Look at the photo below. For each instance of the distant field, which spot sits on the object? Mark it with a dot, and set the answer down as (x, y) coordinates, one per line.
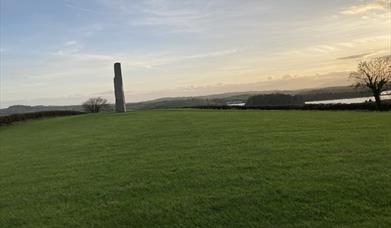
(206, 168)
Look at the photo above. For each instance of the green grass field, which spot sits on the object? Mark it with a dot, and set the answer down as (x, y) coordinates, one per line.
(187, 168)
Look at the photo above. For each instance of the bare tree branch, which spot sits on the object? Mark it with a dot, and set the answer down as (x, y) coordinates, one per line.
(374, 74)
(95, 104)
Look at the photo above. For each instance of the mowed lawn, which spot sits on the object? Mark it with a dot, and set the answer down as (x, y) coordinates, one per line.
(187, 168)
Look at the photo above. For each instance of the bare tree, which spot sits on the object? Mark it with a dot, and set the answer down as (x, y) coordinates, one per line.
(95, 104)
(374, 74)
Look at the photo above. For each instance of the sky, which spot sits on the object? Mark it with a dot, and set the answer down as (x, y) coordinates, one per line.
(62, 52)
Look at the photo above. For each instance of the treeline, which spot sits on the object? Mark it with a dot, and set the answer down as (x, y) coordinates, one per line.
(279, 99)
(5, 120)
(335, 96)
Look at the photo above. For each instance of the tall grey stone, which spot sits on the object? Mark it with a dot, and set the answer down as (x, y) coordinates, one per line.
(120, 105)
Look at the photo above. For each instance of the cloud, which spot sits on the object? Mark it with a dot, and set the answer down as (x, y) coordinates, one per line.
(366, 7)
(71, 62)
(212, 54)
(180, 17)
(323, 48)
(359, 56)
(150, 61)
(170, 17)
(368, 55)
(70, 43)
(68, 48)
(338, 48)
(74, 6)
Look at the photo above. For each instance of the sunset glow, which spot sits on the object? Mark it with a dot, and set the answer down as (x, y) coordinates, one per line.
(60, 52)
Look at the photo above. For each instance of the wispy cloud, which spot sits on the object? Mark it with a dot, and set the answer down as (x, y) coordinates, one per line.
(71, 61)
(323, 48)
(366, 7)
(340, 47)
(212, 54)
(79, 8)
(185, 16)
(75, 6)
(179, 17)
(70, 43)
(156, 60)
(377, 53)
(359, 56)
(68, 48)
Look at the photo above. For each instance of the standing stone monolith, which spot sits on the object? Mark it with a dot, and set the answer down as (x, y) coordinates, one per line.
(120, 105)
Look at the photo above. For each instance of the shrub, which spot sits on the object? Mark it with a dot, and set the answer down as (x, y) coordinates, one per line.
(95, 104)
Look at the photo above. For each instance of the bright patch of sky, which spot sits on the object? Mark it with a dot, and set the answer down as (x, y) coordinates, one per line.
(62, 52)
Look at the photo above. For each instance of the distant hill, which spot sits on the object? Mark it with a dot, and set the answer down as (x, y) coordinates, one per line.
(214, 99)
(242, 97)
